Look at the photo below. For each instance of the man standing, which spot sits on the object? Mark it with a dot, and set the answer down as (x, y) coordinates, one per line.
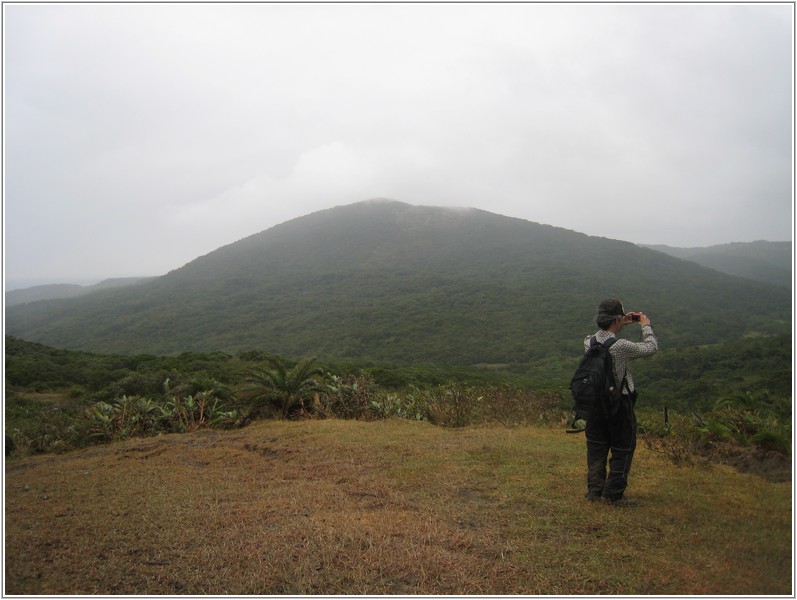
(613, 429)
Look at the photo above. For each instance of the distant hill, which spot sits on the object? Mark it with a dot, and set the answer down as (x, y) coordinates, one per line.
(770, 262)
(387, 281)
(66, 290)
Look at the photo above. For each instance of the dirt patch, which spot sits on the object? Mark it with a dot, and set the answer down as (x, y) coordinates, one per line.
(771, 466)
(45, 397)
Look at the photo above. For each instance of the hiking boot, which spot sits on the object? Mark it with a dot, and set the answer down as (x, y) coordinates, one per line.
(622, 501)
(592, 497)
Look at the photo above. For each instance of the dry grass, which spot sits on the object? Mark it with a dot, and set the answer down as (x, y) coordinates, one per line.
(388, 507)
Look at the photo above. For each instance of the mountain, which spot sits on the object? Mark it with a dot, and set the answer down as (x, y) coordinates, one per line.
(770, 262)
(387, 281)
(66, 290)
(44, 292)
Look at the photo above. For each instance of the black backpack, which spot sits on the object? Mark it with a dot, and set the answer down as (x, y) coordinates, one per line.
(593, 386)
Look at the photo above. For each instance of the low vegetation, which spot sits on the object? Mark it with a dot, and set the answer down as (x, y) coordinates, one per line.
(59, 400)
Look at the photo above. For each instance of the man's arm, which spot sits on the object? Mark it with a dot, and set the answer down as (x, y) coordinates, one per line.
(646, 347)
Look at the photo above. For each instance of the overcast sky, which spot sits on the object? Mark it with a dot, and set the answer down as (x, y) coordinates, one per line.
(141, 136)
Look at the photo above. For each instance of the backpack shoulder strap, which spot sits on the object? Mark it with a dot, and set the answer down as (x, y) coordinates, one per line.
(608, 343)
(609, 362)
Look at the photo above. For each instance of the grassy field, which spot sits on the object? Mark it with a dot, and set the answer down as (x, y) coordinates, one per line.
(385, 507)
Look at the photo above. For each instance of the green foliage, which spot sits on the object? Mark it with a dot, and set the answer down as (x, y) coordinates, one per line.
(281, 386)
(350, 397)
(35, 425)
(128, 416)
(728, 395)
(758, 421)
(135, 416)
(408, 405)
(59, 400)
(757, 418)
(770, 262)
(182, 414)
(696, 378)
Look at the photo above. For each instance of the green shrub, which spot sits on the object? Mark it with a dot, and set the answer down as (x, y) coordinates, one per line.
(715, 431)
(34, 425)
(197, 411)
(125, 417)
(349, 397)
(410, 405)
(288, 389)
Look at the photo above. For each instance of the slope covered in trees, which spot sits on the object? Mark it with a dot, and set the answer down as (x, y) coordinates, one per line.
(66, 290)
(390, 282)
(770, 262)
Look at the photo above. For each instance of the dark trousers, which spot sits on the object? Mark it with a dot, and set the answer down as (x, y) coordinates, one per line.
(611, 435)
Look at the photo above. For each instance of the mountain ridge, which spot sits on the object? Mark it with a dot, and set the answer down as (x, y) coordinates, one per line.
(389, 281)
(769, 262)
(56, 291)
(780, 262)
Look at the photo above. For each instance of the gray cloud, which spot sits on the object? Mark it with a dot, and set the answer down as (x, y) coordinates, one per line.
(141, 136)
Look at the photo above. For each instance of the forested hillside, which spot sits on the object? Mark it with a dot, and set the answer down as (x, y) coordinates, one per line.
(386, 281)
(770, 262)
(66, 290)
